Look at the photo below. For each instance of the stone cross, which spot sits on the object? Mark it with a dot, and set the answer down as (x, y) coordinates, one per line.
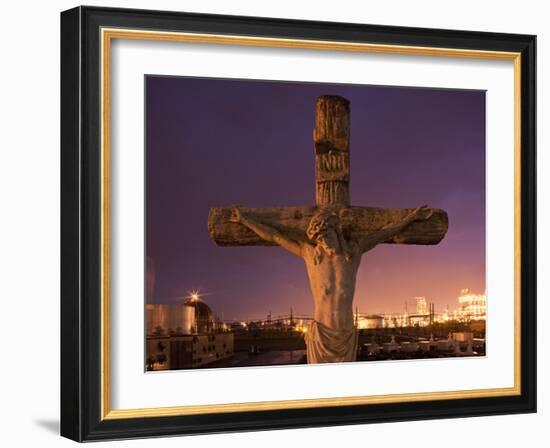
(288, 227)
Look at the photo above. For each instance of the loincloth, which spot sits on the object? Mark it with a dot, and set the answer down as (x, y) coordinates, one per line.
(325, 344)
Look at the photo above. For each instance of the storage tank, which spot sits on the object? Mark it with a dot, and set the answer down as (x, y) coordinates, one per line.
(177, 318)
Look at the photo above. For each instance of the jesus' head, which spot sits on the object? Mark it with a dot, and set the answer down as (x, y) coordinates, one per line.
(325, 232)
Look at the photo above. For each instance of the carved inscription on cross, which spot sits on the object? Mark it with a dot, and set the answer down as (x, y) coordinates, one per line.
(332, 236)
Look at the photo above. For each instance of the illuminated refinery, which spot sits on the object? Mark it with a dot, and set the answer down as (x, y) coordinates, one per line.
(187, 334)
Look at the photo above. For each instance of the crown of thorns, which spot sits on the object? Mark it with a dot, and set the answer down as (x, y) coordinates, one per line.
(320, 222)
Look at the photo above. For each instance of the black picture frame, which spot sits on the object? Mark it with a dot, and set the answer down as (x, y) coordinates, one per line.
(81, 415)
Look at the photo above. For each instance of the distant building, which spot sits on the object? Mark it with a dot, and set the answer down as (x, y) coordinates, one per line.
(180, 336)
(204, 322)
(170, 318)
(472, 306)
(395, 320)
(187, 351)
(419, 320)
(421, 305)
(366, 321)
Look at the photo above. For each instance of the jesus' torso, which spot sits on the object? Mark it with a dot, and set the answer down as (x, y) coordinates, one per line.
(332, 283)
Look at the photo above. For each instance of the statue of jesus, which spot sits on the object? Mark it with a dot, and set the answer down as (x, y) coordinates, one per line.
(332, 262)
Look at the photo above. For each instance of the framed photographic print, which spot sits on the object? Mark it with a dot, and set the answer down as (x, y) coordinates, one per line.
(274, 224)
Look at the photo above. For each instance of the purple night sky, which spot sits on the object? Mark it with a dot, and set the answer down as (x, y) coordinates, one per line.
(216, 142)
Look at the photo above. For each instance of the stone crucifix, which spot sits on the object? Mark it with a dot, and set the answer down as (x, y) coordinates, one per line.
(330, 237)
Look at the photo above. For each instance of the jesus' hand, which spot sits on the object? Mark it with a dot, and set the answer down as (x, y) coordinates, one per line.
(422, 213)
(236, 215)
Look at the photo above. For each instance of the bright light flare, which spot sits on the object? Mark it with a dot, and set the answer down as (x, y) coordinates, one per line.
(194, 295)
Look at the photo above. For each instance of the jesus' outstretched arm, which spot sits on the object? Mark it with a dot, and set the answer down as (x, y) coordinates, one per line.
(265, 232)
(421, 213)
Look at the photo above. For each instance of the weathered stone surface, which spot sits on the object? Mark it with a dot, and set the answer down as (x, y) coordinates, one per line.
(332, 114)
(293, 221)
(331, 141)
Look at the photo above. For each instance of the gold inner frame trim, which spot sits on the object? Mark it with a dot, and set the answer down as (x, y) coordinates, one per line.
(107, 35)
